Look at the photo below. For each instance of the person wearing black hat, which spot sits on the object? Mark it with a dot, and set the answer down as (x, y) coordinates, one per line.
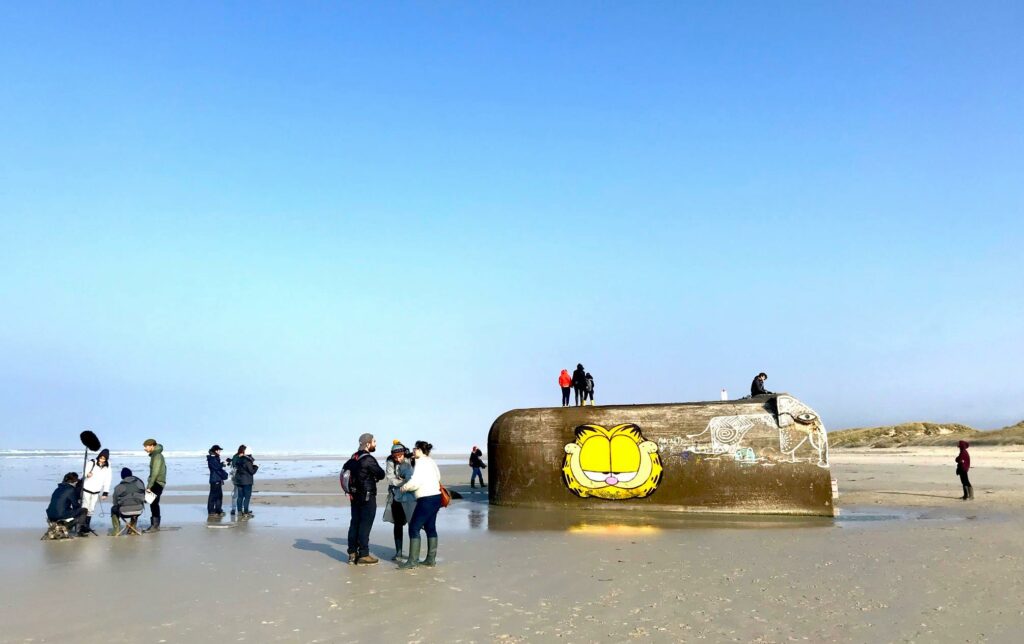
(400, 505)
(215, 502)
(129, 499)
(96, 484)
(359, 478)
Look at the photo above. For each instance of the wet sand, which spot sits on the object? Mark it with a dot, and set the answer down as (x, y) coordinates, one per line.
(904, 561)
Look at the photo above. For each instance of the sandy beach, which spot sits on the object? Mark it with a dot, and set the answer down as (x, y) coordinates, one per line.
(905, 560)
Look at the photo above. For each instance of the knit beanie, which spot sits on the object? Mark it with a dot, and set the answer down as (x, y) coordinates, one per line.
(125, 472)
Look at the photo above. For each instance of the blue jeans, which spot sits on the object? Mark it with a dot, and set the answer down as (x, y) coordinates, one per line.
(477, 474)
(244, 494)
(425, 517)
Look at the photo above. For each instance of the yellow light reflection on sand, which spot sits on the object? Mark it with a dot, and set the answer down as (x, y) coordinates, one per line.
(614, 529)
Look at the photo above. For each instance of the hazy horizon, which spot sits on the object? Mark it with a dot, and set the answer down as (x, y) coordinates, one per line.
(286, 225)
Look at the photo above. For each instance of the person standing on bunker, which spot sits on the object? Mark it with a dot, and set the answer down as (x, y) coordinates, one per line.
(565, 382)
(963, 463)
(579, 384)
(588, 389)
(157, 480)
(359, 478)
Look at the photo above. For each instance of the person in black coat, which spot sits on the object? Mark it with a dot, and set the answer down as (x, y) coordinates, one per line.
(757, 386)
(215, 502)
(579, 384)
(66, 504)
(359, 478)
(245, 470)
(476, 461)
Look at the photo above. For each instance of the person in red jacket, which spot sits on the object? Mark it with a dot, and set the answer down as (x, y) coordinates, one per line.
(963, 463)
(565, 382)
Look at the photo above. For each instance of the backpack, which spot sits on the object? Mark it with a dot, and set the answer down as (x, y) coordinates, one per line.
(589, 386)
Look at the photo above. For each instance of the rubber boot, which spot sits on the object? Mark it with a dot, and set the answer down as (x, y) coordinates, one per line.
(414, 555)
(970, 492)
(964, 497)
(398, 549)
(154, 525)
(431, 559)
(115, 522)
(85, 529)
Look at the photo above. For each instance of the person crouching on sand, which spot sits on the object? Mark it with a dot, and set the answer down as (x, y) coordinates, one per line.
(400, 505)
(426, 484)
(245, 470)
(97, 483)
(963, 463)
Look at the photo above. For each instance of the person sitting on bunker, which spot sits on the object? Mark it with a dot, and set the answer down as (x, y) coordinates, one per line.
(757, 386)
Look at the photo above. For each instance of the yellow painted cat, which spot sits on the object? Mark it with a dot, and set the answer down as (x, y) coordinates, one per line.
(616, 463)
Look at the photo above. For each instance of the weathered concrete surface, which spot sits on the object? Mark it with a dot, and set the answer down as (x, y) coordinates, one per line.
(764, 455)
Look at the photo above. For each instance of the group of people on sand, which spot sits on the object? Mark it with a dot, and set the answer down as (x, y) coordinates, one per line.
(414, 499)
(581, 382)
(75, 499)
(242, 474)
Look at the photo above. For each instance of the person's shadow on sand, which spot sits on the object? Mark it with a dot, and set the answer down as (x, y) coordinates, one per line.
(325, 548)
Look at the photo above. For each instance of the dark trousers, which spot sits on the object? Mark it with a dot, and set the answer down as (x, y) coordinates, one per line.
(425, 517)
(359, 527)
(966, 482)
(244, 494)
(580, 395)
(565, 396)
(214, 504)
(398, 516)
(154, 507)
(477, 474)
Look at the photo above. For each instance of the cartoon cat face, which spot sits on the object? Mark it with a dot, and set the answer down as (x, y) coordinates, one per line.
(614, 463)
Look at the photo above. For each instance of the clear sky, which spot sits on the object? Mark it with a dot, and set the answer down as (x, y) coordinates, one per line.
(288, 223)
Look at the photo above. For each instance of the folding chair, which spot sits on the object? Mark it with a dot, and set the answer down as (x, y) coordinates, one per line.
(131, 523)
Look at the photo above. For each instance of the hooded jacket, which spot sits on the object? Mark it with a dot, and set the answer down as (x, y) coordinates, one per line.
(244, 470)
(99, 482)
(130, 495)
(64, 503)
(579, 378)
(564, 379)
(757, 388)
(157, 467)
(217, 472)
(476, 460)
(364, 472)
(963, 459)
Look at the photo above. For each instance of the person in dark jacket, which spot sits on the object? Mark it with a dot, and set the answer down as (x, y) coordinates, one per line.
(245, 470)
(359, 478)
(588, 389)
(233, 464)
(757, 386)
(579, 384)
(476, 461)
(215, 502)
(129, 499)
(963, 463)
(66, 504)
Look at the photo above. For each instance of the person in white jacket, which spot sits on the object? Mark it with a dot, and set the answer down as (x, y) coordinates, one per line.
(426, 485)
(97, 482)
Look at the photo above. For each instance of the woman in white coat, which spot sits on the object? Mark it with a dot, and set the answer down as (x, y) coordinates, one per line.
(426, 485)
(97, 482)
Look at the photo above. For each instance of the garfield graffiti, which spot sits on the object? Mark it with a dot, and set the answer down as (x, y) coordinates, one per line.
(616, 463)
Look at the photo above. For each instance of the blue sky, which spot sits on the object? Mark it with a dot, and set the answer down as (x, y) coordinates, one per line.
(287, 224)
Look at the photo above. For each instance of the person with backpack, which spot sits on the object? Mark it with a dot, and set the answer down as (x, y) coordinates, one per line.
(215, 502)
(579, 384)
(565, 382)
(426, 484)
(359, 478)
(963, 463)
(588, 389)
(476, 462)
(97, 483)
(245, 470)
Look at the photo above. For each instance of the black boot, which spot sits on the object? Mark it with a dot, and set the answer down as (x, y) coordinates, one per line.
(398, 549)
(154, 525)
(84, 529)
(964, 497)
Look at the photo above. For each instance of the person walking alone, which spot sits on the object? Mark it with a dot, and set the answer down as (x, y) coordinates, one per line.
(359, 478)
(426, 484)
(579, 384)
(157, 480)
(245, 471)
(400, 505)
(215, 502)
(97, 483)
(476, 461)
(963, 463)
(565, 382)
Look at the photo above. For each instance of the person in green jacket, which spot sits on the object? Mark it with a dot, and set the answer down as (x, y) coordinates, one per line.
(157, 480)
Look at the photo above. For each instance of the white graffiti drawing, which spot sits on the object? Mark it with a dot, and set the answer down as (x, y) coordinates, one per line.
(725, 433)
(799, 424)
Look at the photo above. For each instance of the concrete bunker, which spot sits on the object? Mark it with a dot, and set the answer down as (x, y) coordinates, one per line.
(762, 455)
